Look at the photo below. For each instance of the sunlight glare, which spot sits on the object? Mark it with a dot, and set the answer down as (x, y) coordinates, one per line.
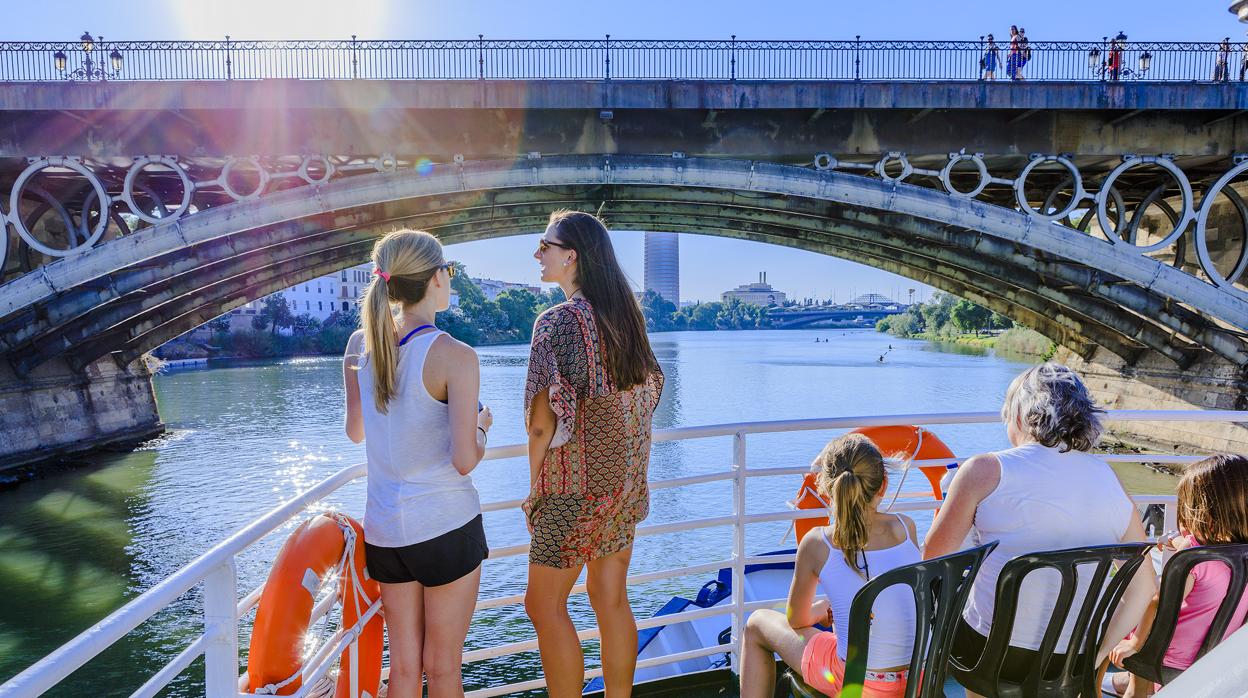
(282, 19)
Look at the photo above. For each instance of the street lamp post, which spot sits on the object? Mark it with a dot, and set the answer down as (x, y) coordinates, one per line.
(89, 69)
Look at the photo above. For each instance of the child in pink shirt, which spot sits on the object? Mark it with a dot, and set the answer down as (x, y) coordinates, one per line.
(1213, 508)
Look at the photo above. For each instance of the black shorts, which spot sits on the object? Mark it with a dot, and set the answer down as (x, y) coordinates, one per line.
(968, 645)
(434, 562)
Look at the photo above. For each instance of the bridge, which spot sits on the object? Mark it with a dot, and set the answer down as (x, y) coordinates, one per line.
(186, 179)
(788, 319)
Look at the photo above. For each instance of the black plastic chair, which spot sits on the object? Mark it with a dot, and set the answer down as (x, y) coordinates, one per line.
(1147, 662)
(940, 586)
(1078, 671)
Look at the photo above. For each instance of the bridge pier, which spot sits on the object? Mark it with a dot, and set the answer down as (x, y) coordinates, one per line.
(1155, 383)
(57, 411)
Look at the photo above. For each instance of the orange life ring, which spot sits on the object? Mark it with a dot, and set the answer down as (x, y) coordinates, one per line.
(328, 542)
(897, 441)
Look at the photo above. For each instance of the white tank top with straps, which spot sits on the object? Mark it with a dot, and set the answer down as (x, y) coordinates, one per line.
(414, 492)
(892, 629)
(1046, 500)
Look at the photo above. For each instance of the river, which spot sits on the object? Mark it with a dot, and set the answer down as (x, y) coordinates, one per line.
(245, 435)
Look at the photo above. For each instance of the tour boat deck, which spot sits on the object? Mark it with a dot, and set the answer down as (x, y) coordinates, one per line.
(225, 612)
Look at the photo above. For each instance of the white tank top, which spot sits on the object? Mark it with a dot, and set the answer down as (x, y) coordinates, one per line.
(1046, 500)
(414, 492)
(892, 629)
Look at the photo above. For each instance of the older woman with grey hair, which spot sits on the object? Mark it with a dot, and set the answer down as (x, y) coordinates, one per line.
(1045, 493)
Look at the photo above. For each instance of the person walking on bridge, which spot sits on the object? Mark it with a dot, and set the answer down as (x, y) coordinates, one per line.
(1222, 63)
(989, 61)
(589, 400)
(1014, 59)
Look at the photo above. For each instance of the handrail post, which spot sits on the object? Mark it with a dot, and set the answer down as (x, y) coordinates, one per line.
(221, 625)
(857, 56)
(229, 61)
(738, 544)
(355, 61)
(608, 57)
(480, 56)
(733, 63)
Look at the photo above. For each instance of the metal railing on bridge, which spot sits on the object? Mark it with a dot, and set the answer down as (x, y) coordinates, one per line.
(620, 59)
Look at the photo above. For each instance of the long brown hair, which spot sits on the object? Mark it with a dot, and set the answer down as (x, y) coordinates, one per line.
(621, 326)
(410, 258)
(851, 473)
(1213, 499)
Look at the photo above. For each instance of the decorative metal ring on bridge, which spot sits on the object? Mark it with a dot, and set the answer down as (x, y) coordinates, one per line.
(955, 229)
(599, 59)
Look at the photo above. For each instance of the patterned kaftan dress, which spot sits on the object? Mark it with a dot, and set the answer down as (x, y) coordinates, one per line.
(591, 491)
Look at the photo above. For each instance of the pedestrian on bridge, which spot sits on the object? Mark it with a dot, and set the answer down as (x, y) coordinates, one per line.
(1014, 59)
(1221, 65)
(989, 61)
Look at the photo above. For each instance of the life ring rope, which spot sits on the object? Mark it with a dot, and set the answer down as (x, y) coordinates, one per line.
(345, 566)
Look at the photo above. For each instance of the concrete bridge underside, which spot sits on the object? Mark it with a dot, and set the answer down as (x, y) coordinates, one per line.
(103, 309)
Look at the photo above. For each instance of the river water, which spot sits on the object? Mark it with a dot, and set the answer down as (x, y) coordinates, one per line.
(244, 436)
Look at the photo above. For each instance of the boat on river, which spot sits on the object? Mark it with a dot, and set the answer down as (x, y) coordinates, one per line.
(684, 643)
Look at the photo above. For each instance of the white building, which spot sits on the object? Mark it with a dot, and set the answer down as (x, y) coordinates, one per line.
(492, 288)
(319, 297)
(759, 293)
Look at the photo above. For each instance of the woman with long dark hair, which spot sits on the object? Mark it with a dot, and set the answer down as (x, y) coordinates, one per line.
(592, 387)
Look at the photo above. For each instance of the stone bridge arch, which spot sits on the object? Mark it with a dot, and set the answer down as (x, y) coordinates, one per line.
(1104, 302)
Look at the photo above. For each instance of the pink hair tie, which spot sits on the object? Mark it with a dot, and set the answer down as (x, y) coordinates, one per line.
(382, 274)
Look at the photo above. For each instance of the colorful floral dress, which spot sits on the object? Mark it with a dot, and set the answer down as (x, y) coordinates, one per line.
(591, 491)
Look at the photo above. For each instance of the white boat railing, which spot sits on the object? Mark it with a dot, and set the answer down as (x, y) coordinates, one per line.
(223, 609)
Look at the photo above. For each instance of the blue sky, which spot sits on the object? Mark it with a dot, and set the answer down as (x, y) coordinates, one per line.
(709, 265)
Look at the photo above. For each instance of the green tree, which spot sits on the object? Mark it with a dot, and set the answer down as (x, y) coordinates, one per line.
(1000, 322)
(305, 325)
(704, 314)
(219, 324)
(454, 322)
(936, 312)
(521, 307)
(970, 317)
(658, 311)
(276, 314)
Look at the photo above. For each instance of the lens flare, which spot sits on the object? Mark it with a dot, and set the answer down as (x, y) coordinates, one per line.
(424, 167)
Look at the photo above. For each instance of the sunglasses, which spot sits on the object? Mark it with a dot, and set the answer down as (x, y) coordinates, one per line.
(544, 244)
(450, 269)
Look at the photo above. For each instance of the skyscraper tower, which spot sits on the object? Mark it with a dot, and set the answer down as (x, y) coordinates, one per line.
(662, 259)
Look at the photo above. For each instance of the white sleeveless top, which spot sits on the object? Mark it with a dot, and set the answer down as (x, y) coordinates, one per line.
(892, 630)
(414, 492)
(1046, 500)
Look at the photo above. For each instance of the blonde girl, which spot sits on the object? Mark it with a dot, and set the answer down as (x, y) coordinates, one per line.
(836, 561)
(411, 393)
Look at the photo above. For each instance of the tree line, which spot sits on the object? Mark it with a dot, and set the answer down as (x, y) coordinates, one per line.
(943, 315)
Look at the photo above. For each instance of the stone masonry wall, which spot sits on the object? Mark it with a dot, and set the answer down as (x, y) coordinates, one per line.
(1155, 383)
(56, 411)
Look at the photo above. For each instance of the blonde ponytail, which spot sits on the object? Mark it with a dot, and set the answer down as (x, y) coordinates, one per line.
(403, 263)
(851, 473)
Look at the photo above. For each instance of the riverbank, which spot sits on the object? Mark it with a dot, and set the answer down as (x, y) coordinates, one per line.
(1018, 343)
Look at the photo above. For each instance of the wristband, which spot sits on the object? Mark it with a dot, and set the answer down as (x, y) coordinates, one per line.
(484, 433)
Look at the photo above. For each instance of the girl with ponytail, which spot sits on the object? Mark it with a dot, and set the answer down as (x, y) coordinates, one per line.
(412, 399)
(836, 561)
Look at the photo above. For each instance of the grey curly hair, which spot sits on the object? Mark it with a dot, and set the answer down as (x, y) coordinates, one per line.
(1052, 405)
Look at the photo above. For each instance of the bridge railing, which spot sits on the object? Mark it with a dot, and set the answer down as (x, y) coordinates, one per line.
(617, 59)
(224, 611)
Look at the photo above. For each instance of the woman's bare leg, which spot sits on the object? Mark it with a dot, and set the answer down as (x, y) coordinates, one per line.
(768, 633)
(405, 624)
(448, 612)
(546, 602)
(607, 583)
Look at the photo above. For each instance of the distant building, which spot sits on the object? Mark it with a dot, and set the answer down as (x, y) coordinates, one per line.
(874, 301)
(760, 293)
(662, 261)
(492, 288)
(318, 298)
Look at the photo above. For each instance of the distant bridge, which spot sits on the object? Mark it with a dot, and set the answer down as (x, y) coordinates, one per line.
(1109, 215)
(787, 319)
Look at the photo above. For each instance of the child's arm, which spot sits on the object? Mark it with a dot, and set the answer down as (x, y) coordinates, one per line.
(812, 553)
